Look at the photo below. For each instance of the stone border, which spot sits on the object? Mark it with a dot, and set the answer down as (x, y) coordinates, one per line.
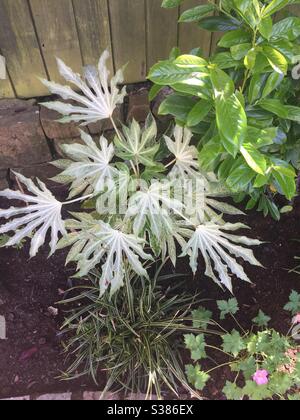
(78, 396)
(30, 135)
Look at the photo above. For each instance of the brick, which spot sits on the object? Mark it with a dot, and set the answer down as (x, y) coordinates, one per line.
(44, 172)
(54, 129)
(95, 396)
(16, 105)
(138, 107)
(55, 397)
(22, 140)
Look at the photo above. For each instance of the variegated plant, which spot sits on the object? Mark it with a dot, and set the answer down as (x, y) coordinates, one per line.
(133, 210)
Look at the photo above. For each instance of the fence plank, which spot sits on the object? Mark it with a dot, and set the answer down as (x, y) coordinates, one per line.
(162, 31)
(93, 29)
(56, 29)
(129, 37)
(19, 46)
(190, 35)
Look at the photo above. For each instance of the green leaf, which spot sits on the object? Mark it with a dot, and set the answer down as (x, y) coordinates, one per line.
(210, 154)
(224, 61)
(274, 7)
(285, 178)
(219, 23)
(197, 345)
(272, 83)
(250, 59)
(240, 178)
(175, 53)
(232, 391)
(256, 392)
(231, 122)
(240, 51)
(198, 113)
(229, 307)
(197, 13)
(223, 84)
(293, 113)
(254, 158)
(167, 73)
(168, 4)
(247, 366)
(233, 38)
(262, 320)
(177, 105)
(197, 377)
(265, 27)
(190, 61)
(201, 318)
(154, 91)
(276, 59)
(233, 343)
(293, 305)
(275, 106)
(288, 29)
(255, 88)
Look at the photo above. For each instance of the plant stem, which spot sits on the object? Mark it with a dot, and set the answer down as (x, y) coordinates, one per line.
(218, 367)
(77, 200)
(238, 324)
(222, 351)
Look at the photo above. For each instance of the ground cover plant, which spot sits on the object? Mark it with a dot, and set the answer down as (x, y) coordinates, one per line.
(242, 101)
(264, 363)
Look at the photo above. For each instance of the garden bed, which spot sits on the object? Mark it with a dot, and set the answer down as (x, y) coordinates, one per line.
(31, 357)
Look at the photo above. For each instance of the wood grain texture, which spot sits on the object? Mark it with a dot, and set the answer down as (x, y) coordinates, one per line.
(190, 35)
(93, 27)
(128, 25)
(138, 32)
(57, 33)
(20, 47)
(162, 31)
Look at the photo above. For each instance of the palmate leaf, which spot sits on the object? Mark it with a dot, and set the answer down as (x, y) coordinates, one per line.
(153, 206)
(92, 163)
(97, 243)
(138, 145)
(100, 96)
(186, 155)
(42, 214)
(217, 245)
(208, 205)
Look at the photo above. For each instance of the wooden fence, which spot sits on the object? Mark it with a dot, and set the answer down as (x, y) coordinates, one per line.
(137, 32)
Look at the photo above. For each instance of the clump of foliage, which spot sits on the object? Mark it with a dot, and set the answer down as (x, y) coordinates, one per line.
(265, 364)
(133, 338)
(132, 212)
(242, 101)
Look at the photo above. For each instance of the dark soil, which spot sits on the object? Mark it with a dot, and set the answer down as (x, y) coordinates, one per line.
(31, 357)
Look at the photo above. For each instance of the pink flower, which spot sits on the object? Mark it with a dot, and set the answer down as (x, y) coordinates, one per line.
(261, 377)
(296, 319)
